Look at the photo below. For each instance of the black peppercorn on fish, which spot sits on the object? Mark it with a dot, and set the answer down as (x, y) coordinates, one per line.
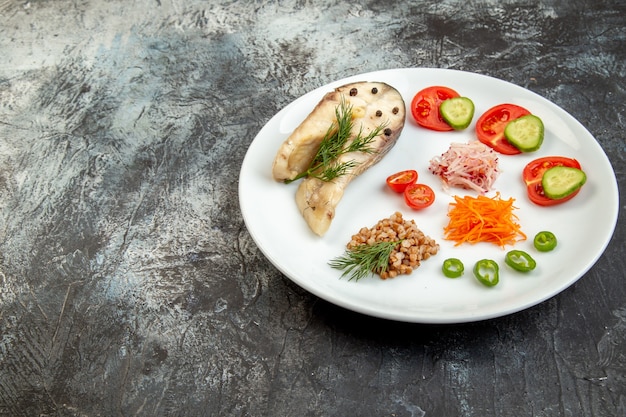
(375, 106)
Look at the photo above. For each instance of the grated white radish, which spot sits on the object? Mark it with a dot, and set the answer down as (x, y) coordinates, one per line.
(472, 166)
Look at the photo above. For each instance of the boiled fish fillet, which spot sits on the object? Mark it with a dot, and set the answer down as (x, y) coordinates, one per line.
(373, 104)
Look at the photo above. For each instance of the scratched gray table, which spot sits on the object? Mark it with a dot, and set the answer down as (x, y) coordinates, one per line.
(129, 284)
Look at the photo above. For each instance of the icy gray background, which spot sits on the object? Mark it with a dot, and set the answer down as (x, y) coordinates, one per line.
(129, 285)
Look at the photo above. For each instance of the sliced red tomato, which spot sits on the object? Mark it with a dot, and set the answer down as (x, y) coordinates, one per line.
(400, 180)
(533, 173)
(419, 196)
(425, 107)
(490, 127)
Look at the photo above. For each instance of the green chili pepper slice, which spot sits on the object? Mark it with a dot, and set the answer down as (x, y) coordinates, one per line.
(545, 241)
(487, 272)
(452, 268)
(520, 261)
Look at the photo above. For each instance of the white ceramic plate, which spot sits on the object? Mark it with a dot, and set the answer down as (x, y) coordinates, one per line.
(583, 225)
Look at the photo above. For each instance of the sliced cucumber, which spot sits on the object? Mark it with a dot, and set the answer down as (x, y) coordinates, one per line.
(525, 133)
(559, 182)
(457, 112)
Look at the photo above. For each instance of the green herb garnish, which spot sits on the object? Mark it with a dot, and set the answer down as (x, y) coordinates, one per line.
(365, 259)
(324, 165)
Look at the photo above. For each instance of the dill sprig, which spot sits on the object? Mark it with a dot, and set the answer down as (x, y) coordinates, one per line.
(364, 259)
(324, 165)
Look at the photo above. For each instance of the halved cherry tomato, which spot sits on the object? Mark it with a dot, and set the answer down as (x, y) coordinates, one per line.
(419, 196)
(425, 107)
(533, 173)
(400, 180)
(490, 127)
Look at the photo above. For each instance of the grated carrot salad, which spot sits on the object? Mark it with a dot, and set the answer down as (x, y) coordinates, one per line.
(483, 219)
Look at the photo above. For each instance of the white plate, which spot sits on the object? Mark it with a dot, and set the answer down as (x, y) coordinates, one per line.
(583, 226)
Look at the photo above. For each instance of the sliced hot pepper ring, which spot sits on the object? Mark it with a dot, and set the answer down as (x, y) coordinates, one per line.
(520, 261)
(545, 241)
(452, 268)
(487, 272)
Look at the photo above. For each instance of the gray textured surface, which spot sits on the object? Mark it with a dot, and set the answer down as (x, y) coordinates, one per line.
(129, 284)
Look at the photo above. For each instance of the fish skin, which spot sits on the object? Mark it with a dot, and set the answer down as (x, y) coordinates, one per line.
(316, 199)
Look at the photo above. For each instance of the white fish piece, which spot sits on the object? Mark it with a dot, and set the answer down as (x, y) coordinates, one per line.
(373, 104)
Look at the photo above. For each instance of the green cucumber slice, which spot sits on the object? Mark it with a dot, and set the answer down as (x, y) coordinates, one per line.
(559, 182)
(525, 133)
(457, 112)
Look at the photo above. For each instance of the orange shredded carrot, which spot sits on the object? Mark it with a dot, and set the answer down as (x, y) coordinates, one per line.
(483, 219)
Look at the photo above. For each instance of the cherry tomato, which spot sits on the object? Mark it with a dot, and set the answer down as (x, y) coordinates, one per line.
(425, 107)
(400, 180)
(490, 127)
(533, 173)
(419, 196)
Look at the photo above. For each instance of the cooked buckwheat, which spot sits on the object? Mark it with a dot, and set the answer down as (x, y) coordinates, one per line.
(414, 245)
